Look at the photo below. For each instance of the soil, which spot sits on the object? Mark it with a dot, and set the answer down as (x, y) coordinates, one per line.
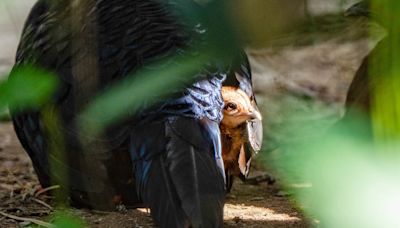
(247, 206)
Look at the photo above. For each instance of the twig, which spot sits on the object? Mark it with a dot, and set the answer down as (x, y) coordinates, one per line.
(35, 221)
(38, 193)
(42, 203)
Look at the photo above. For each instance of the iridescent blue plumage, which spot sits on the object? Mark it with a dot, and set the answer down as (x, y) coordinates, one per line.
(169, 153)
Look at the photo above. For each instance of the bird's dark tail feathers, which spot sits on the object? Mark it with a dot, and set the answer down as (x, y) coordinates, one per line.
(183, 185)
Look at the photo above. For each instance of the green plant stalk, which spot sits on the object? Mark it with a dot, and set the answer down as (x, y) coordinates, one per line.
(57, 154)
(385, 68)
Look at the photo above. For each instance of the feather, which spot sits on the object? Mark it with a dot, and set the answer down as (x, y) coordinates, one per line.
(183, 185)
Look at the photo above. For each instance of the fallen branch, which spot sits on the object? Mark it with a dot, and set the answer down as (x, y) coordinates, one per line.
(38, 193)
(42, 203)
(35, 221)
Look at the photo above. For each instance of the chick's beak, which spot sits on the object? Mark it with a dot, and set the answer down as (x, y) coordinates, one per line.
(255, 115)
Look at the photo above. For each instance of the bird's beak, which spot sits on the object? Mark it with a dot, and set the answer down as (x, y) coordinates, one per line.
(244, 162)
(255, 115)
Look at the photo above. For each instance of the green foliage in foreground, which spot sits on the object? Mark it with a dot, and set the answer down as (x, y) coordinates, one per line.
(353, 178)
(4, 115)
(27, 87)
(63, 219)
(385, 73)
(127, 96)
(342, 179)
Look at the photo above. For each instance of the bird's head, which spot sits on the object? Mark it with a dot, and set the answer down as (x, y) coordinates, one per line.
(238, 107)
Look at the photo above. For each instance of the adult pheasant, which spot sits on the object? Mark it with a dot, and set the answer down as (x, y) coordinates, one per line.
(167, 156)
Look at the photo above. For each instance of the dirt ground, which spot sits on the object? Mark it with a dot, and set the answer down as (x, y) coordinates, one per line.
(248, 205)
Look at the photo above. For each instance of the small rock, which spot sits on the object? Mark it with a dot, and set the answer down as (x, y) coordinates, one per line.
(24, 224)
(259, 177)
(121, 208)
(231, 196)
(237, 219)
(98, 221)
(257, 199)
(282, 194)
(8, 164)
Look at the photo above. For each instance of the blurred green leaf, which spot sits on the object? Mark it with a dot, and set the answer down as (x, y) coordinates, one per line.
(27, 87)
(384, 73)
(63, 219)
(353, 177)
(211, 21)
(346, 181)
(4, 114)
(127, 97)
(259, 22)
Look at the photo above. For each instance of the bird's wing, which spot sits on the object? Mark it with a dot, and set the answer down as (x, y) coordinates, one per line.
(183, 186)
(90, 48)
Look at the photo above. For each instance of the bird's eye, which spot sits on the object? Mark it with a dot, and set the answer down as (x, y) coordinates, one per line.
(230, 106)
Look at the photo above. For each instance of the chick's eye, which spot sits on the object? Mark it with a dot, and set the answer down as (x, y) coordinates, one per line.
(231, 106)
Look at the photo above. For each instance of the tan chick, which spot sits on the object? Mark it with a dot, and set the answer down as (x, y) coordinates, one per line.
(238, 109)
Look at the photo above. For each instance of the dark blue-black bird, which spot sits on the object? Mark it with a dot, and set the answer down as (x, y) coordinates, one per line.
(167, 156)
